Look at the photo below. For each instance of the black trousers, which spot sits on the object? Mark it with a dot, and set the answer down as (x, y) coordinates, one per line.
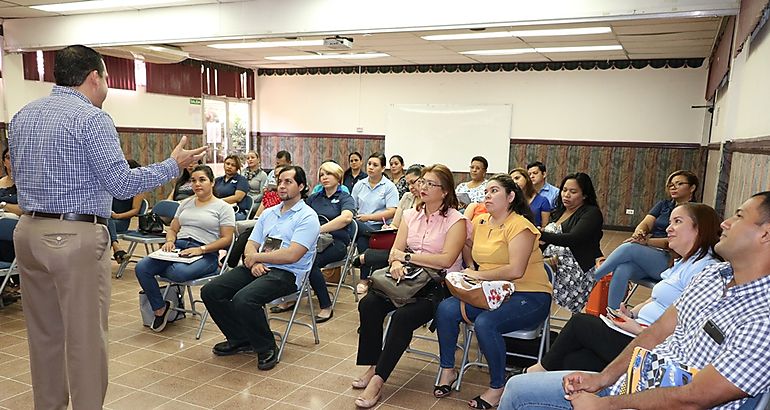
(372, 310)
(374, 259)
(585, 343)
(236, 299)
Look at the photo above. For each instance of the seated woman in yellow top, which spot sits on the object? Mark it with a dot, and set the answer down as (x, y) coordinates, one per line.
(505, 247)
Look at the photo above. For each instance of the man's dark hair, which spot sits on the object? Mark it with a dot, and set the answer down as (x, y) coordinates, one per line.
(74, 63)
(537, 164)
(299, 177)
(284, 155)
(764, 206)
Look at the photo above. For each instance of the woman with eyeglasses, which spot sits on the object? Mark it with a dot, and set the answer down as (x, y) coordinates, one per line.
(646, 253)
(432, 235)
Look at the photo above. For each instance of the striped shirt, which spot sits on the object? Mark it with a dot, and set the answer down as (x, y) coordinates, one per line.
(741, 312)
(66, 157)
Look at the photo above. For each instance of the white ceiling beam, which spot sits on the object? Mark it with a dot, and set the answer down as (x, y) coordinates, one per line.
(270, 18)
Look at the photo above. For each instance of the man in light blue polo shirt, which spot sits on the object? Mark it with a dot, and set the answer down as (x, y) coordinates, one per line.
(277, 257)
(537, 174)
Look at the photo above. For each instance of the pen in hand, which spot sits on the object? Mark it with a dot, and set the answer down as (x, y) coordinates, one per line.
(383, 221)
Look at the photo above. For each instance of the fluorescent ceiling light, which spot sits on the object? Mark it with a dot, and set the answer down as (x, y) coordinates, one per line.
(268, 44)
(575, 49)
(542, 50)
(520, 33)
(561, 32)
(467, 36)
(360, 56)
(101, 5)
(502, 52)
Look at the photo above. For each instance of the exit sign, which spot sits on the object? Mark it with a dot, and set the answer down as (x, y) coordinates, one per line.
(195, 101)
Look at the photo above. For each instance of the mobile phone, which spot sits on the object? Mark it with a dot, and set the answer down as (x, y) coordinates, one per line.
(614, 313)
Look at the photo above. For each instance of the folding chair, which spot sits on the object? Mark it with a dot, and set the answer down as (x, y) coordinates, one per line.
(7, 225)
(635, 283)
(196, 282)
(248, 203)
(542, 330)
(296, 297)
(418, 352)
(345, 265)
(166, 210)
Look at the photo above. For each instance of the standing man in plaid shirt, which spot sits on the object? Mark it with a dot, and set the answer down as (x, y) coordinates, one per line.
(67, 164)
(720, 325)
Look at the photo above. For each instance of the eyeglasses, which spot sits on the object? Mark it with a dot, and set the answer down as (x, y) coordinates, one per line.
(676, 185)
(430, 184)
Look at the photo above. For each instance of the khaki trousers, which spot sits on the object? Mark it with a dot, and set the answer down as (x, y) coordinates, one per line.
(65, 277)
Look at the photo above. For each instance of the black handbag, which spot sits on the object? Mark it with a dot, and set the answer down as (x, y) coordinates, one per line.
(150, 223)
(403, 292)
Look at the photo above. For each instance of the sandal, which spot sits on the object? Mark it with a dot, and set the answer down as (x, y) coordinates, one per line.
(120, 256)
(445, 389)
(481, 404)
(279, 309)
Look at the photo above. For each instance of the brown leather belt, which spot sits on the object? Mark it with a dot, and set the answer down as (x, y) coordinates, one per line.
(69, 216)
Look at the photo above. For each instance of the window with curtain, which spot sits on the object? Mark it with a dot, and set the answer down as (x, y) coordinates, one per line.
(29, 65)
(183, 79)
(121, 73)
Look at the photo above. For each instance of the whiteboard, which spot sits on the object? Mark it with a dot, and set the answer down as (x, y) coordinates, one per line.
(450, 134)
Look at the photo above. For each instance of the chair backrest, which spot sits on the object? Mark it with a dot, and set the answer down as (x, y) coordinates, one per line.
(227, 255)
(7, 225)
(549, 272)
(143, 207)
(165, 208)
(248, 202)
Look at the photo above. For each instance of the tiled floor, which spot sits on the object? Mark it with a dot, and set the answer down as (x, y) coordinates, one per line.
(172, 370)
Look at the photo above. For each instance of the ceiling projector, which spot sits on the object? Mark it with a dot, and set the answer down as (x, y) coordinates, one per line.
(338, 43)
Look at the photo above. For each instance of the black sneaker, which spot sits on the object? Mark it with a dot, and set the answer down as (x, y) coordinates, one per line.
(159, 323)
(226, 348)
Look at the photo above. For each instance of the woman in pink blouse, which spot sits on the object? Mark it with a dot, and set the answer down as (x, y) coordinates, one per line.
(431, 235)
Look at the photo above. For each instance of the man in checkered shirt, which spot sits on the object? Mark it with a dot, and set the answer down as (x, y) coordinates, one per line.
(720, 325)
(67, 164)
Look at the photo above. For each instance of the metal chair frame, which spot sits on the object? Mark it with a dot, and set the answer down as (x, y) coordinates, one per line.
(196, 282)
(7, 226)
(542, 331)
(296, 297)
(149, 241)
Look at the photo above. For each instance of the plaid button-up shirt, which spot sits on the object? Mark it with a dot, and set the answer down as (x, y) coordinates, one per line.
(742, 313)
(66, 157)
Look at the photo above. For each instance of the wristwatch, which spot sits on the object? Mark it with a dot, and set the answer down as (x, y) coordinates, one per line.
(203, 248)
(407, 257)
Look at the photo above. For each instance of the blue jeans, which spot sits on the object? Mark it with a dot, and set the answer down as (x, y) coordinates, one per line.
(524, 310)
(631, 261)
(116, 226)
(148, 267)
(537, 391)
